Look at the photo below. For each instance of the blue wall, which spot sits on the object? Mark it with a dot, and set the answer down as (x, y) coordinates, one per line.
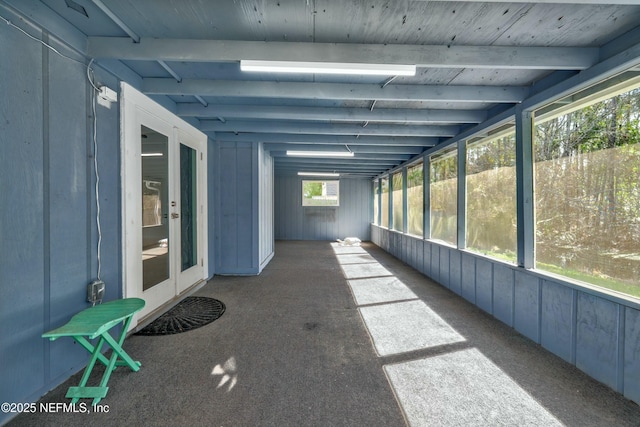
(243, 234)
(48, 234)
(350, 219)
(597, 332)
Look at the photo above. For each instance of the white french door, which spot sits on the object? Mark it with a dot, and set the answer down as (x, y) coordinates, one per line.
(192, 227)
(164, 202)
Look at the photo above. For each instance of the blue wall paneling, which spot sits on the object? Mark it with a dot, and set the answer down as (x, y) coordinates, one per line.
(242, 224)
(597, 332)
(296, 222)
(48, 225)
(597, 338)
(631, 357)
(558, 319)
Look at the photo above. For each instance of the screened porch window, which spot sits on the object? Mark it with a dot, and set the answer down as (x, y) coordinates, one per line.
(444, 200)
(491, 196)
(587, 191)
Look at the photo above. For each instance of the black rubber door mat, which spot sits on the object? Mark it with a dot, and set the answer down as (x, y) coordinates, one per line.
(190, 313)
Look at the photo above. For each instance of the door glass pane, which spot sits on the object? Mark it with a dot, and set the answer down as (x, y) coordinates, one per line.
(188, 204)
(155, 207)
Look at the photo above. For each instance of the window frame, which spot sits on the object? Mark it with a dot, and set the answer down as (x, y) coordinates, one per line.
(323, 182)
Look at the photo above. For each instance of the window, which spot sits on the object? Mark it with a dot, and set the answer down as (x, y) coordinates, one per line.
(320, 193)
(397, 201)
(415, 199)
(384, 184)
(376, 198)
(587, 191)
(491, 196)
(444, 200)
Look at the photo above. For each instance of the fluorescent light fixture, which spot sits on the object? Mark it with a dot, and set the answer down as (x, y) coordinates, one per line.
(151, 154)
(319, 153)
(328, 68)
(318, 174)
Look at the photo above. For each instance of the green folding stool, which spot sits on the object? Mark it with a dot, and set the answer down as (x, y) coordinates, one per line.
(96, 322)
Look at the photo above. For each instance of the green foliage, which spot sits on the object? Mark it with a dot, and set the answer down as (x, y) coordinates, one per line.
(311, 188)
(491, 196)
(588, 193)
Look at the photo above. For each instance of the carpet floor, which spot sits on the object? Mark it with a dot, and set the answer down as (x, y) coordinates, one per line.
(340, 336)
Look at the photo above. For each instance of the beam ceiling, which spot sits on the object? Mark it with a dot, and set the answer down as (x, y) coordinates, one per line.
(476, 60)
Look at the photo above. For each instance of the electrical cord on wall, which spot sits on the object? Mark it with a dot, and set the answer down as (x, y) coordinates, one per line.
(53, 49)
(95, 163)
(95, 142)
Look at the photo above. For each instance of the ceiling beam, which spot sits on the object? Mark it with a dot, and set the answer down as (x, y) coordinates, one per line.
(345, 91)
(398, 115)
(340, 169)
(266, 126)
(337, 166)
(383, 157)
(284, 138)
(343, 173)
(375, 149)
(445, 56)
(310, 168)
(333, 162)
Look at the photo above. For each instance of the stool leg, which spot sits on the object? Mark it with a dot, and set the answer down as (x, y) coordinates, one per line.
(118, 352)
(117, 347)
(89, 347)
(89, 368)
(110, 366)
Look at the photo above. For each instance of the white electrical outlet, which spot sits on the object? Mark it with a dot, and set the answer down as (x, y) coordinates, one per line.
(108, 94)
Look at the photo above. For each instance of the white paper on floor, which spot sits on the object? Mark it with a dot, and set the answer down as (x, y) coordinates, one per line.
(406, 326)
(463, 388)
(380, 289)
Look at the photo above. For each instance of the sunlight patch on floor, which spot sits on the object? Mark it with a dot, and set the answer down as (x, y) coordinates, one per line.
(457, 388)
(380, 289)
(406, 326)
(227, 372)
(346, 249)
(359, 271)
(355, 259)
(463, 388)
